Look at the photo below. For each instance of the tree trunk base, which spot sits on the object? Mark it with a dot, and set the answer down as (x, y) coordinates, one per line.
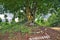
(29, 24)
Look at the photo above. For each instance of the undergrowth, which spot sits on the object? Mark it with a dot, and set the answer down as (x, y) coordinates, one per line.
(13, 27)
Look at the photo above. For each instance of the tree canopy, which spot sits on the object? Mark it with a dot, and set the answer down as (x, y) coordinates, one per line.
(43, 7)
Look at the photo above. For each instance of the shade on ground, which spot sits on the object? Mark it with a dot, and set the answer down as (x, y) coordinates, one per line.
(42, 33)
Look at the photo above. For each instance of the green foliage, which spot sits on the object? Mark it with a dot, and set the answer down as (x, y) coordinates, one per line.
(50, 21)
(0, 20)
(53, 18)
(43, 6)
(25, 29)
(43, 23)
(11, 28)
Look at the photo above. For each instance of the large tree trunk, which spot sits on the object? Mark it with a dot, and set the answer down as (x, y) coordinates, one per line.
(30, 13)
(29, 16)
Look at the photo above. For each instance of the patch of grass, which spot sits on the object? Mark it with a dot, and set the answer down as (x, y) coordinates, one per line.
(13, 27)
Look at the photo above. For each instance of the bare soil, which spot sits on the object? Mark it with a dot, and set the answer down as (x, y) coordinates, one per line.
(37, 33)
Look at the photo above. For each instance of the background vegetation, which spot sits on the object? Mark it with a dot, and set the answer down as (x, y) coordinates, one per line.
(43, 7)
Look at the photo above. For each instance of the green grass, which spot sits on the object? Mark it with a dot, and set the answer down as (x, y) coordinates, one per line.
(13, 27)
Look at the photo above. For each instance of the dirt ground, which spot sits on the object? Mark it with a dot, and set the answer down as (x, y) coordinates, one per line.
(38, 33)
(56, 28)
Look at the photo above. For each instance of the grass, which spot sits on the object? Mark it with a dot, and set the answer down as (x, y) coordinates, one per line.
(13, 27)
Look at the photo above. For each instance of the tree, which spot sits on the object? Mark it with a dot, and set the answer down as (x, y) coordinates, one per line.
(30, 7)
